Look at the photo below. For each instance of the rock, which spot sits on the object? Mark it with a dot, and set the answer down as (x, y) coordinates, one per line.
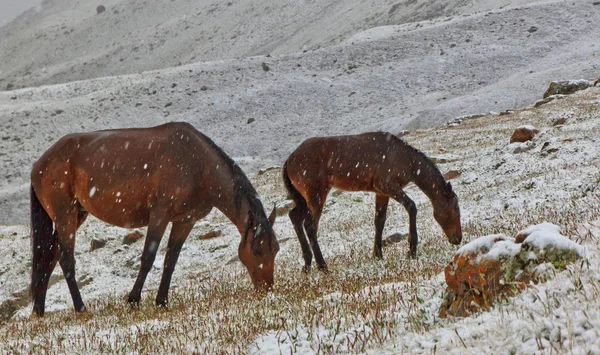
(97, 243)
(250, 120)
(265, 66)
(567, 87)
(121, 249)
(451, 174)
(263, 171)
(523, 134)
(100, 9)
(549, 147)
(284, 208)
(543, 243)
(132, 237)
(203, 88)
(532, 29)
(516, 148)
(559, 121)
(336, 192)
(10, 306)
(443, 158)
(394, 239)
(496, 266)
(548, 99)
(469, 178)
(10, 86)
(214, 233)
(476, 275)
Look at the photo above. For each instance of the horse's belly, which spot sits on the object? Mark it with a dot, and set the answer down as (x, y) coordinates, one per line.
(117, 211)
(349, 183)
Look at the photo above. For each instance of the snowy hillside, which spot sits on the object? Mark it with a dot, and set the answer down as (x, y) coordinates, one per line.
(259, 77)
(390, 78)
(364, 304)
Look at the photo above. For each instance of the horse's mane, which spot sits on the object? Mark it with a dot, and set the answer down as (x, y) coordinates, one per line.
(242, 185)
(420, 154)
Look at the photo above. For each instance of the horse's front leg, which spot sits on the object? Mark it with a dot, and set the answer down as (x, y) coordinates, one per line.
(156, 229)
(411, 208)
(381, 203)
(179, 233)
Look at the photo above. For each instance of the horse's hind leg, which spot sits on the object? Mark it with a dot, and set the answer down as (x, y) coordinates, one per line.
(45, 256)
(179, 233)
(66, 226)
(381, 203)
(156, 229)
(298, 215)
(311, 224)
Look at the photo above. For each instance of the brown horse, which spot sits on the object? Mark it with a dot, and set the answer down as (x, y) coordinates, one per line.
(377, 162)
(141, 177)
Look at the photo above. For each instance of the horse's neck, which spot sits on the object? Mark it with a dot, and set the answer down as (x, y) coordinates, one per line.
(225, 202)
(428, 178)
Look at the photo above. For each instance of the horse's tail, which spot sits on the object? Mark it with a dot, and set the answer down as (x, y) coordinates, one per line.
(44, 245)
(293, 193)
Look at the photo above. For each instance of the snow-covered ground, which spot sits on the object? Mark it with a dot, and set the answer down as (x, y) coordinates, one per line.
(330, 71)
(557, 180)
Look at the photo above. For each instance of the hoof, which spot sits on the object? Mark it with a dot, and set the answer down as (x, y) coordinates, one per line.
(162, 303)
(324, 269)
(306, 269)
(134, 302)
(378, 255)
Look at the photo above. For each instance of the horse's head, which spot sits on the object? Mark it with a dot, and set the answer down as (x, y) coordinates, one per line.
(447, 213)
(258, 249)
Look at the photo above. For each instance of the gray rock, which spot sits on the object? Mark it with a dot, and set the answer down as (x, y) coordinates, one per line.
(97, 243)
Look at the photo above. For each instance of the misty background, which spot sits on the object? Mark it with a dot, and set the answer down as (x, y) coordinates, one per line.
(9, 9)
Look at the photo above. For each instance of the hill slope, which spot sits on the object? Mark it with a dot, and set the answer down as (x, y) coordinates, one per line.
(387, 78)
(65, 40)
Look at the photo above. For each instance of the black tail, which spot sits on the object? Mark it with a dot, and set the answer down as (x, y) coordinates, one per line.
(292, 192)
(44, 247)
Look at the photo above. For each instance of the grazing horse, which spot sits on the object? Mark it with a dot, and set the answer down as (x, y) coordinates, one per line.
(141, 177)
(377, 162)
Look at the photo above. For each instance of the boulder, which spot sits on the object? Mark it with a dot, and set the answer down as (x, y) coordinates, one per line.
(132, 237)
(567, 87)
(394, 239)
(496, 266)
(214, 233)
(97, 243)
(443, 158)
(523, 134)
(479, 273)
(451, 174)
(284, 208)
(517, 148)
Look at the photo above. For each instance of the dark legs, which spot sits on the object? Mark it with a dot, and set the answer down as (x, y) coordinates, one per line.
(179, 233)
(411, 208)
(156, 229)
(65, 230)
(303, 219)
(298, 215)
(311, 224)
(381, 203)
(45, 256)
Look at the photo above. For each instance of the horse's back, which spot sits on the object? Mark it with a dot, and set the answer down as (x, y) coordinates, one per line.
(351, 162)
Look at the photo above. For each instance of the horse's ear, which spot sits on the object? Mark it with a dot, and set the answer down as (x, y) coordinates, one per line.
(273, 215)
(249, 226)
(448, 192)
